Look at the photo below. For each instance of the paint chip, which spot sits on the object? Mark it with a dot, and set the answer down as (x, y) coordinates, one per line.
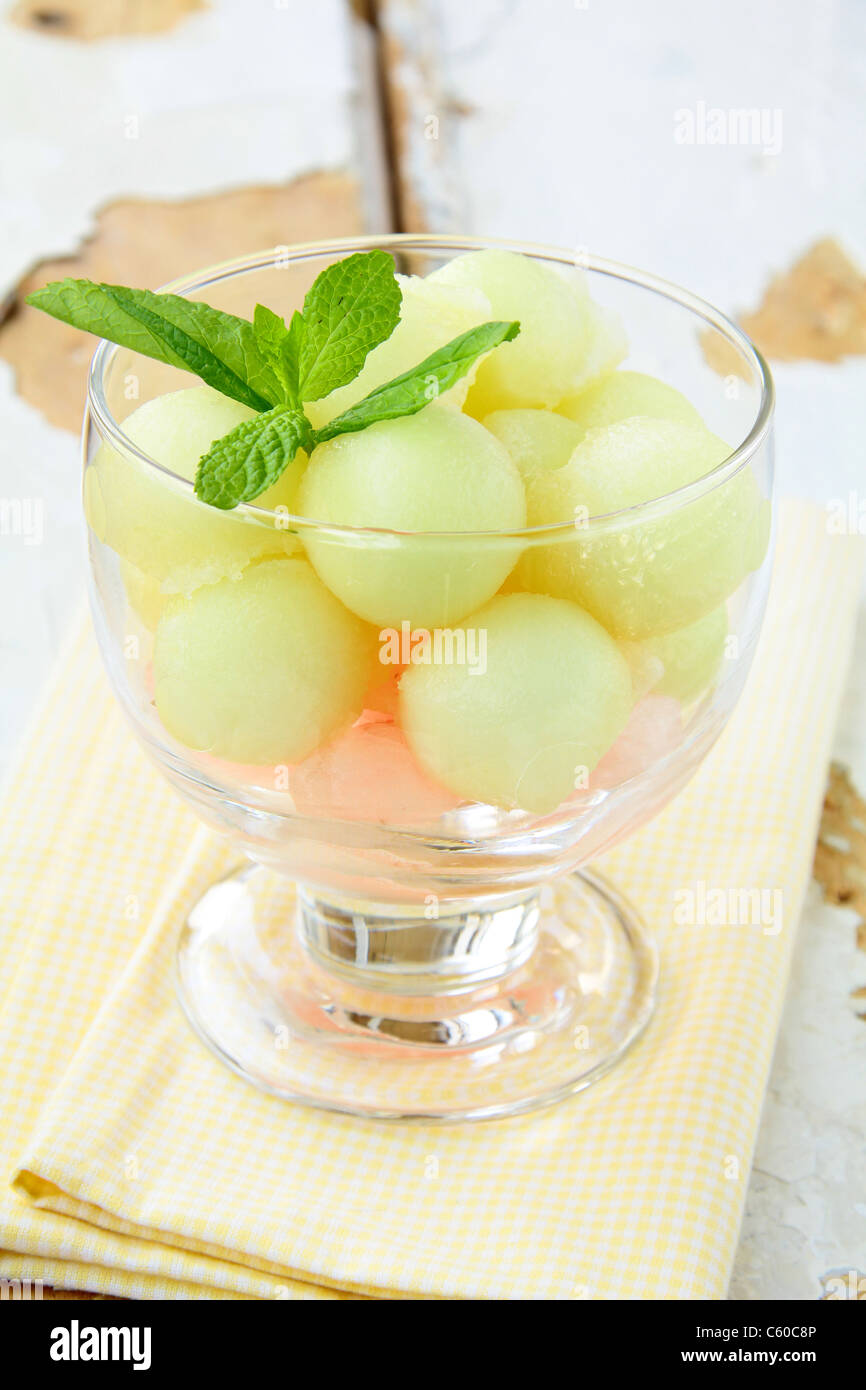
(101, 19)
(816, 311)
(145, 243)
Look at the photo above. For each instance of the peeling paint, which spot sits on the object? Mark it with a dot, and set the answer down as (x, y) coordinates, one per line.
(101, 19)
(146, 242)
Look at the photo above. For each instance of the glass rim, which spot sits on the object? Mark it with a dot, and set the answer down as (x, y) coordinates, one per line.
(283, 256)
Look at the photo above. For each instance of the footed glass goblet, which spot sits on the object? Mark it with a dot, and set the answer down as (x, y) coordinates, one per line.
(418, 736)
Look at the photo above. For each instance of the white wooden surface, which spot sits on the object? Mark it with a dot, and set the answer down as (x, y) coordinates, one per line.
(570, 113)
(555, 121)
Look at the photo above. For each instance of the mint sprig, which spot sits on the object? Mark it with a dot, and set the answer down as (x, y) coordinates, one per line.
(219, 348)
(409, 393)
(352, 307)
(241, 465)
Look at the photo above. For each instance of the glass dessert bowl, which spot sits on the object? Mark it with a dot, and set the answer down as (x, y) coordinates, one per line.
(436, 668)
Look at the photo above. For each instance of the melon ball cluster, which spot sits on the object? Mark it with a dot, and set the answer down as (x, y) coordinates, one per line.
(569, 649)
(159, 527)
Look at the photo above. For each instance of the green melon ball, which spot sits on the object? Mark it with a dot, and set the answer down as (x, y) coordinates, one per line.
(689, 659)
(554, 695)
(143, 594)
(547, 358)
(535, 439)
(430, 316)
(435, 471)
(622, 395)
(643, 577)
(160, 527)
(260, 669)
(608, 346)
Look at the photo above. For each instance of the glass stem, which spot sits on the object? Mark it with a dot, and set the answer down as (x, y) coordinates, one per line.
(383, 948)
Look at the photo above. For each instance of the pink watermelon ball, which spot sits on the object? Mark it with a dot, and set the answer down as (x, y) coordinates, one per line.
(654, 729)
(369, 774)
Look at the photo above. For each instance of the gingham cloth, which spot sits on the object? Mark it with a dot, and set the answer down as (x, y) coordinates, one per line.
(142, 1167)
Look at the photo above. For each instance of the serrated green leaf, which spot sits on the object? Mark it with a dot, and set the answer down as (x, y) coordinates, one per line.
(272, 339)
(269, 330)
(352, 307)
(219, 348)
(292, 349)
(251, 457)
(409, 393)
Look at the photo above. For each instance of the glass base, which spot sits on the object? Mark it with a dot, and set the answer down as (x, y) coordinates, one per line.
(478, 1016)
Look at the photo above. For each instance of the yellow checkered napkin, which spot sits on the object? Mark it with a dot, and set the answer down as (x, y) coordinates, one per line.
(142, 1166)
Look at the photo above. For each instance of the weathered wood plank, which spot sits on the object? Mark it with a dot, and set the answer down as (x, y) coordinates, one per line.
(421, 117)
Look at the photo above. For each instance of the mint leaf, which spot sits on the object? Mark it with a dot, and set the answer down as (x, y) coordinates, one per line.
(409, 393)
(291, 350)
(218, 347)
(272, 340)
(352, 307)
(251, 457)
